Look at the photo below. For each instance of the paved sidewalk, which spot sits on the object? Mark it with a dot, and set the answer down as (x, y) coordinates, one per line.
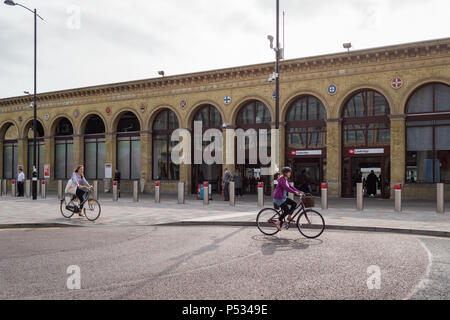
(377, 216)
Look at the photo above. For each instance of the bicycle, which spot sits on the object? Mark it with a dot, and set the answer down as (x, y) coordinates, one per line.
(310, 223)
(69, 208)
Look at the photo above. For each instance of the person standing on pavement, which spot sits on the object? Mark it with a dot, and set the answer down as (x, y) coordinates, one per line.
(117, 179)
(238, 184)
(226, 182)
(20, 182)
(372, 184)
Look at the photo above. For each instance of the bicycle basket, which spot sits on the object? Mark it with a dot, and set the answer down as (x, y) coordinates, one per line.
(308, 200)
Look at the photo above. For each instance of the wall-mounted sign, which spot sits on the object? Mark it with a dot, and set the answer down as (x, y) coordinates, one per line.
(366, 151)
(108, 171)
(46, 171)
(397, 83)
(306, 153)
(332, 89)
(227, 100)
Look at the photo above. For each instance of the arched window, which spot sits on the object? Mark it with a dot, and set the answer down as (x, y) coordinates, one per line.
(94, 148)
(63, 149)
(10, 152)
(305, 124)
(40, 149)
(210, 118)
(428, 134)
(366, 120)
(164, 124)
(129, 146)
(254, 112)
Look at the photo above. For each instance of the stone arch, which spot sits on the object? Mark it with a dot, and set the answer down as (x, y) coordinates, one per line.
(288, 102)
(416, 86)
(242, 102)
(55, 122)
(4, 127)
(27, 124)
(118, 115)
(84, 120)
(157, 110)
(197, 107)
(354, 90)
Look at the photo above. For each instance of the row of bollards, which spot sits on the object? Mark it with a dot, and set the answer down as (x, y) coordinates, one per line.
(27, 188)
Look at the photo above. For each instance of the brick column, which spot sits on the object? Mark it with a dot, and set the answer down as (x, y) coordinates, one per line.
(22, 154)
(398, 151)
(334, 157)
(1, 159)
(110, 149)
(78, 149)
(146, 141)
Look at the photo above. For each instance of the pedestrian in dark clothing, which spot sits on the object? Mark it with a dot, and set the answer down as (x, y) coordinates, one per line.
(226, 182)
(372, 184)
(117, 179)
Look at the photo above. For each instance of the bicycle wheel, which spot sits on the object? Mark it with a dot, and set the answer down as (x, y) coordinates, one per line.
(311, 224)
(265, 221)
(67, 213)
(92, 209)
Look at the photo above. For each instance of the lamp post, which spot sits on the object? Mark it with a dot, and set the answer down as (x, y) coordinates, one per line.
(12, 3)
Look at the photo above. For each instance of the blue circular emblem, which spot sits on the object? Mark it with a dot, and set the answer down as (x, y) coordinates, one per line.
(227, 100)
(75, 113)
(332, 89)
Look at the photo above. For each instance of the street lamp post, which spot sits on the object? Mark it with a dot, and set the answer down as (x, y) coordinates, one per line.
(34, 185)
(277, 70)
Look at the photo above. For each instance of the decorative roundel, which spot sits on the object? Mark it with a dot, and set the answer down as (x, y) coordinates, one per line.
(46, 116)
(108, 110)
(227, 100)
(20, 119)
(76, 113)
(397, 83)
(332, 89)
(183, 104)
(142, 107)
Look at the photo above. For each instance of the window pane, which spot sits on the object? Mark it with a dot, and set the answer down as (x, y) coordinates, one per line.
(419, 138)
(442, 137)
(380, 106)
(173, 120)
(421, 101)
(136, 159)
(442, 92)
(101, 159)
(174, 170)
(123, 159)
(160, 122)
(8, 153)
(90, 160)
(420, 166)
(70, 164)
(444, 165)
(160, 158)
(60, 160)
(41, 160)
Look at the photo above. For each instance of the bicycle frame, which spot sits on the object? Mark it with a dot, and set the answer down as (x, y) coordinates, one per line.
(298, 211)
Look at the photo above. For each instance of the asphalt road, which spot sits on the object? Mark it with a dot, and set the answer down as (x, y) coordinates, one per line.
(219, 263)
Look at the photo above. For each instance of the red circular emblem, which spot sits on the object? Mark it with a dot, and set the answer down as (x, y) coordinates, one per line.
(397, 83)
(108, 110)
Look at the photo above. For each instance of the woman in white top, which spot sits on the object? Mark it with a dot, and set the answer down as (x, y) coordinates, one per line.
(79, 180)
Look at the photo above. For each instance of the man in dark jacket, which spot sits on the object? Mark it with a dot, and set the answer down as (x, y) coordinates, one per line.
(372, 184)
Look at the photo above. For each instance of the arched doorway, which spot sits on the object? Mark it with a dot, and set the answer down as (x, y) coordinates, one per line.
(428, 134)
(10, 151)
(129, 146)
(366, 142)
(163, 126)
(94, 148)
(40, 149)
(253, 115)
(63, 149)
(306, 132)
(210, 118)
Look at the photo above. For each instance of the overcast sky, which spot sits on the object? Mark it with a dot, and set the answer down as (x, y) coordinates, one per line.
(83, 43)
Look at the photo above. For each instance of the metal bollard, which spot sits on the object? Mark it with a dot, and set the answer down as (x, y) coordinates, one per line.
(95, 194)
(115, 191)
(43, 189)
(135, 191)
(261, 194)
(142, 185)
(1, 187)
(232, 193)
(60, 190)
(13, 188)
(291, 195)
(440, 208)
(324, 198)
(106, 184)
(398, 197)
(359, 197)
(28, 188)
(157, 192)
(206, 193)
(180, 192)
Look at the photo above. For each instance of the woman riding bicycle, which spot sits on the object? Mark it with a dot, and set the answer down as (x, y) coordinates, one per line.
(79, 180)
(280, 196)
